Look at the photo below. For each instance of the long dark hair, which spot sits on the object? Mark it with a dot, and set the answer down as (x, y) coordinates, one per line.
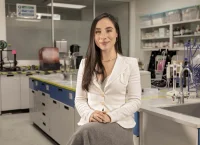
(93, 56)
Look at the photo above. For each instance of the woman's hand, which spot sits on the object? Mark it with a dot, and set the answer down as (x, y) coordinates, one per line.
(106, 118)
(97, 116)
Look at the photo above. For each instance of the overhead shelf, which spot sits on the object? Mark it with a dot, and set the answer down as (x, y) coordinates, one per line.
(155, 38)
(174, 23)
(154, 26)
(156, 49)
(189, 21)
(184, 36)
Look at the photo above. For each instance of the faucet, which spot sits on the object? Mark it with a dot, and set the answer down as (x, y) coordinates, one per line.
(181, 98)
(65, 68)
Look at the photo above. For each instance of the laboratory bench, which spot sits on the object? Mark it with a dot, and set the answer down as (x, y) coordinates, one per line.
(52, 109)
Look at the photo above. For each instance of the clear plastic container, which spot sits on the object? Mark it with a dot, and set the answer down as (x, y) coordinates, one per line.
(190, 13)
(173, 16)
(145, 21)
(158, 19)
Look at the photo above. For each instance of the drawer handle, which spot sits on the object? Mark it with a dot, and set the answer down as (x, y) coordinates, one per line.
(33, 92)
(43, 104)
(60, 89)
(43, 94)
(43, 114)
(10, 75)
(44, 124)
(66, 107)
(29, 74)
(54, 102)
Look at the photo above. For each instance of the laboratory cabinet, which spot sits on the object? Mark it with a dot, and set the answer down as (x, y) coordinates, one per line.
(14, 91)
(24, 91)
(52, 110)
(10, 92)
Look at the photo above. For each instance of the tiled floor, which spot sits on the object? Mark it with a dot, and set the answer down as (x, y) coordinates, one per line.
(18, 130)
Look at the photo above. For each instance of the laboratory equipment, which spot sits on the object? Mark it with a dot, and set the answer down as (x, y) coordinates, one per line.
(49, 58)
(3, 46)
(74, 48)
(182, 96)
(174, 72)
(145, 79)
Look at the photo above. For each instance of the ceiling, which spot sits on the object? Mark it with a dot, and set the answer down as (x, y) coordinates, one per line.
(88, 3)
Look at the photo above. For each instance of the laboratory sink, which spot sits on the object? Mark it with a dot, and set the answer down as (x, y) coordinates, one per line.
(186, 109)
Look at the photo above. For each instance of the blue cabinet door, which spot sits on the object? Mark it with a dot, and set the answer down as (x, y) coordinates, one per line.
(62, 95)
(33, 84)
(136, 128)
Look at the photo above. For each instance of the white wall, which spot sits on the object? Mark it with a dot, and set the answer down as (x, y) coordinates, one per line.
(143, 7)
(2, 22)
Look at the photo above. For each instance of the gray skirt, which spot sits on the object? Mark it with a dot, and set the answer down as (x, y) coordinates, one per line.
(95, 133)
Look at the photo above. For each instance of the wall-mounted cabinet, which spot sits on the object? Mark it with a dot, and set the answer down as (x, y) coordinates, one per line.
(171, 36)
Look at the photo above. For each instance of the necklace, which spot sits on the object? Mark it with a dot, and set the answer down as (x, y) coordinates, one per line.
(109, 59)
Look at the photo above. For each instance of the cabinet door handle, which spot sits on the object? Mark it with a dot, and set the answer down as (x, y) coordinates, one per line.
(66, 107)
(43, 94)
(43, 84)
(29, 74)
(44, 124)
(33, 92)
(43, 104)
(60, 89)
(33, 80)
(43, 114)
(54, 102)
(10, 75)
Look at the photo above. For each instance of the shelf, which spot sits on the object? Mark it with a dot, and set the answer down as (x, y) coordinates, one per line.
(155, 38)
(155, 49)
(154, 26)
(151, 49)
(174, 23)
(181, 48)
(184, 36)
(178, 48)
(189, 21)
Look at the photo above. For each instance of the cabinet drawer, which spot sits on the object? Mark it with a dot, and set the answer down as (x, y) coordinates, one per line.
(67, 122)
(63, 95)
(44, 87)
(44, 126)
(45, 117)
(33, 84)
(42, 106)
(43, 97)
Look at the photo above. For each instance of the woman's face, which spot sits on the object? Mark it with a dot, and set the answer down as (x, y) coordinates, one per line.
(105, 34)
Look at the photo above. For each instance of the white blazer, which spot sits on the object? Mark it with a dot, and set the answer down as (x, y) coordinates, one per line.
(121, 97)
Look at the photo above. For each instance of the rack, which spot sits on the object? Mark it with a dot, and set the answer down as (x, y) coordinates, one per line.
(189, 54)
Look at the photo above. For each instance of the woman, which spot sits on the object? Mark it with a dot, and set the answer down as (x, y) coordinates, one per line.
(108, 90)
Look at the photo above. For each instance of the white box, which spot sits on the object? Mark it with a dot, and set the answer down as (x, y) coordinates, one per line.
(162, 32)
